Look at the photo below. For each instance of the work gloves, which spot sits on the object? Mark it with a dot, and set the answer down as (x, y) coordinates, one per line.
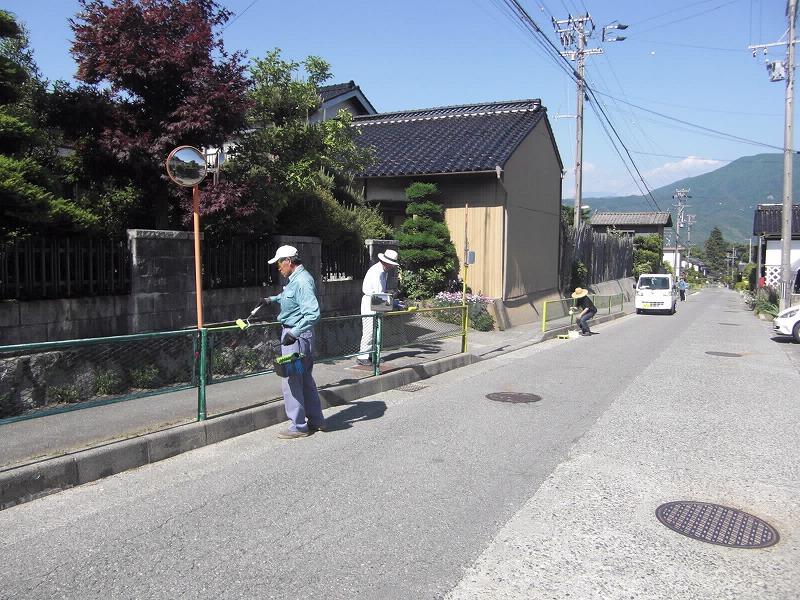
(288, 339)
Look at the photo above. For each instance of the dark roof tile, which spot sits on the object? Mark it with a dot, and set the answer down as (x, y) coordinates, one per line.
(447, 139)
(632, 218)
(327, 92)
(768, 220)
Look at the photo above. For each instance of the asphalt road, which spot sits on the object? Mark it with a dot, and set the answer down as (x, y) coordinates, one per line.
(442, 493)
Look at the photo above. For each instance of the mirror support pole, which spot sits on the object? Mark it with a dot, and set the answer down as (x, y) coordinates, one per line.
(198, 278)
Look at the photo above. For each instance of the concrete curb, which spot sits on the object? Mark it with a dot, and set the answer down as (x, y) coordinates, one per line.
(29, 482)
(551, 334)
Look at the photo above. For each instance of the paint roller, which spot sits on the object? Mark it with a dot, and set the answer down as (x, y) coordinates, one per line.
(245, 323)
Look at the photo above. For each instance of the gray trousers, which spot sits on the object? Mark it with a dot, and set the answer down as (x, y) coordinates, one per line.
(300, 397)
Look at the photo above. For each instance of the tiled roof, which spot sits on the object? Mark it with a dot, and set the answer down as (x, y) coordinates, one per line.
(768, 220)
(632, 218)
(327, 92)
(448, 139)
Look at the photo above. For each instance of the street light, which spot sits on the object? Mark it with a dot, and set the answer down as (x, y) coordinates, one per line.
(614, 25)
(187, 167)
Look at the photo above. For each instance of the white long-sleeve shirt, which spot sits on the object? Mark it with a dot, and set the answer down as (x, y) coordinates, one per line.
(374, 280)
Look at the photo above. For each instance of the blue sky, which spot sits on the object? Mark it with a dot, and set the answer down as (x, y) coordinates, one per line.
(687, 59)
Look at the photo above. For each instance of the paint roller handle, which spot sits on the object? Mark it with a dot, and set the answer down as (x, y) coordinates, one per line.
(264, 302)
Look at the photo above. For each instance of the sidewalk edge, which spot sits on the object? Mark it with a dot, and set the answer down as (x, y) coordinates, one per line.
(35, 480)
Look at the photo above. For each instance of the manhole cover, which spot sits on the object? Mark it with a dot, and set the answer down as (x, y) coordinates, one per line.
(731, 324)
(412, 387)
(717, 524)
(733, 354)
(513, 397)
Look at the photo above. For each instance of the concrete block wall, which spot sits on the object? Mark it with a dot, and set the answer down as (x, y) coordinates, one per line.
(162, 295)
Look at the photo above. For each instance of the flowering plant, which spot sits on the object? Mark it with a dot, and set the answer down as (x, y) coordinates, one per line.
(455, 298)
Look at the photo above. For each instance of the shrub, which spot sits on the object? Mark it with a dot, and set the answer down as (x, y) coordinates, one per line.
(479, 317)
(579, 275)
(766, 301)
(67, 394)
(426, 249)
(107, 383)
(145, 377)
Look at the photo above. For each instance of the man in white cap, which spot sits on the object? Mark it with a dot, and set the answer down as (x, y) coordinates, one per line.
(374, 283)
(299, 312)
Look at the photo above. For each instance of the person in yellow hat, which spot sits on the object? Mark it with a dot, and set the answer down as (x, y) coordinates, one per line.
(583, 301)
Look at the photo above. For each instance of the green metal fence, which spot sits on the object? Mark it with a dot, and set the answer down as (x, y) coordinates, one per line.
(51, 377)
(556, 313)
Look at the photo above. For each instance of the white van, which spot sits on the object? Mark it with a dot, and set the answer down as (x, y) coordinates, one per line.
(656, 291)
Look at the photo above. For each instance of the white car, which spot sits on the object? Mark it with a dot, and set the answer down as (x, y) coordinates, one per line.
(655, 292)
(788, 323)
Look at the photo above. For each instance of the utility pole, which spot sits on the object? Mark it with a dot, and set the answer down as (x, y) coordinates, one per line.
(690, 220)
(680, 196)
(573, 33)
(779, 71)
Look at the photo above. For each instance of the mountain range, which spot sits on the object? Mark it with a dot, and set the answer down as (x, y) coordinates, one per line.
(724, 198)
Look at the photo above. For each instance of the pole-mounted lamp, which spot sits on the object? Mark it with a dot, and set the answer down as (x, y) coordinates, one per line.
(612, 26)
(187, 167)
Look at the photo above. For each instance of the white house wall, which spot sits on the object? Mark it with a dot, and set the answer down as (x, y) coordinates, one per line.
(772, 261)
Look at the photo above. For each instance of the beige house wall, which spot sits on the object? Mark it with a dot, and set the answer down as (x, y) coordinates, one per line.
(485, 197)
(532, 180)
(485, 235)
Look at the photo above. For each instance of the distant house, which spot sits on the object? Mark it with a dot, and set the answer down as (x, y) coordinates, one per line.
(341, 96)
(632, 223)
(767, 224)
(498, 158)
(668, 257)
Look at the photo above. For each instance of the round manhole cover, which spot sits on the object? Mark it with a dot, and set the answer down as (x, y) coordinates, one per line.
(717, 524)
(513, 397)
(732, 354)
(731, 324)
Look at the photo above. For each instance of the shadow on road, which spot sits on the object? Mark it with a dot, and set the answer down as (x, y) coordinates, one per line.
(354, 413)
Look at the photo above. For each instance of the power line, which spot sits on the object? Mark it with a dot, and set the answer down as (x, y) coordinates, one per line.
(683, 122)
(671, 12)
(238, 16)
(554, 53)
(690, 16)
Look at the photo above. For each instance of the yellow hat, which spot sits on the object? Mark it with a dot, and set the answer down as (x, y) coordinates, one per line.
(580, 293)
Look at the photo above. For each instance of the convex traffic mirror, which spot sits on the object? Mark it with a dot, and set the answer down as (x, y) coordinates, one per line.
(186, 166)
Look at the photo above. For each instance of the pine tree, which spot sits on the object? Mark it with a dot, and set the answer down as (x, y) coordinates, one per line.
(27, 201)
(429, 257)
(715, 251)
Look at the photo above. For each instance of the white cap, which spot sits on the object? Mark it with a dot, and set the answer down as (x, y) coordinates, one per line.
(283, 252)
(389, 257)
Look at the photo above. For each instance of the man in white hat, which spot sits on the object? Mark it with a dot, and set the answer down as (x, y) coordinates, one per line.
(374, 283)
(583, 301)
(299, 312)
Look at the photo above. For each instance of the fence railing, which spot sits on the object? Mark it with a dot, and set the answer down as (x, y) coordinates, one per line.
(238, 263)
(64, 267)
(52, 377)
(71, 267)
(556, 313)
(341, 263)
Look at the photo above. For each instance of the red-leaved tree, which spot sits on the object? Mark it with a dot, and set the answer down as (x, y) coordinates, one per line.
(171, 82)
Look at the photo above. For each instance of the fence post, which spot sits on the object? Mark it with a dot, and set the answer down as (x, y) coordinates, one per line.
(544, 316)
(201, 383)
(377, 328)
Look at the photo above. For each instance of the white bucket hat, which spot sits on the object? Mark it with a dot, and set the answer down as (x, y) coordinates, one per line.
(283, 252)
(389, 257)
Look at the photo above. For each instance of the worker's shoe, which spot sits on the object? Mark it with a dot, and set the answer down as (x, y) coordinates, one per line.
(288, 434)
(362, 363)
(315, 428)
